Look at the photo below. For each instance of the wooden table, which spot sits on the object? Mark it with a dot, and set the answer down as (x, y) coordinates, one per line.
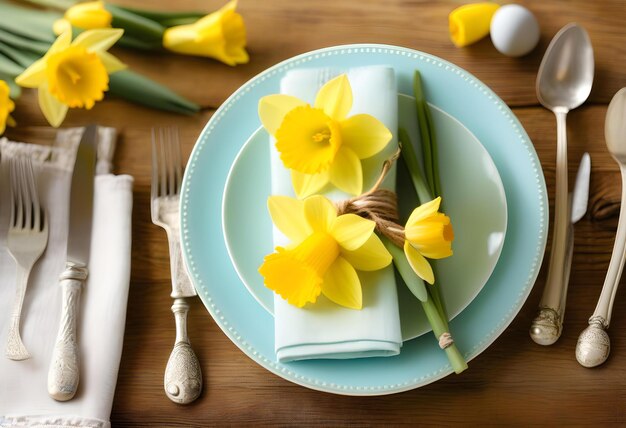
(514, 381)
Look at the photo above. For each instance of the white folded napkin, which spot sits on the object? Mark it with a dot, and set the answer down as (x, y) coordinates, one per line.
(24, 399)
(324, 329)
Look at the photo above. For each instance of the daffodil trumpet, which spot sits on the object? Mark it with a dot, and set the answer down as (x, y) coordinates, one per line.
(321, 144)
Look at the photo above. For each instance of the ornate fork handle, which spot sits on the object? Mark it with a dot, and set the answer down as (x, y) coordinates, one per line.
(183, 376)
(15, 347)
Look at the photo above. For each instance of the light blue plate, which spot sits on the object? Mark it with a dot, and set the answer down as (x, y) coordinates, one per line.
(421, 361)
(474, 199)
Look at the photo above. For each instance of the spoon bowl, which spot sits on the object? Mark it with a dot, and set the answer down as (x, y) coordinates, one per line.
(615, 127)
(566, 73)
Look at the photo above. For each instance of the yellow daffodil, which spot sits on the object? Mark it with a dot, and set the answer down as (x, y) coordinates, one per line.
(89, 16)
(220, 35)
(320, 143)
(470, 23)
(73, 73)
(429, 234)
(6, 107)
(324, 252)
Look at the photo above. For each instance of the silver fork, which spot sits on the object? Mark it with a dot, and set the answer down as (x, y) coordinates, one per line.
(26, 241)
(183, 377)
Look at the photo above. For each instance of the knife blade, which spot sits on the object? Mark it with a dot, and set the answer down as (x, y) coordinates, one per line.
(63, 374)
(580, 194)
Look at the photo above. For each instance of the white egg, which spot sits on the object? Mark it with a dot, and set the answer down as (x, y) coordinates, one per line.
(514, 30)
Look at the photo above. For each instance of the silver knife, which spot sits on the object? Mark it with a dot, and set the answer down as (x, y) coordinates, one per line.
(63, 374)
(547, 326)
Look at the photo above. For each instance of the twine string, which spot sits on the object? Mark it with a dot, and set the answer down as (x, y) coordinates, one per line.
(378, 205)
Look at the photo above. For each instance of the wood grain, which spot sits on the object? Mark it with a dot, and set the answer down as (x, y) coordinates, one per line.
(514, 382)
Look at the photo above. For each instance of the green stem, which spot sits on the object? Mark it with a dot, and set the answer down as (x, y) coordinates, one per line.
(425, 294)
(410, 159)
(425, 136)
(413, 282)
(434, 151)
(440, 327)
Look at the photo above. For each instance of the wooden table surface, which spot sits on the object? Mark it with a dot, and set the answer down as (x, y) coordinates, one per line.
(514, 381)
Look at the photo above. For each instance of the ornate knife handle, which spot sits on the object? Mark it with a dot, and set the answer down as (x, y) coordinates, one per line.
(63, 374)
(183, 377)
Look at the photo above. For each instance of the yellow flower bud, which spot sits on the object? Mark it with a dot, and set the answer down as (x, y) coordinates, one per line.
(220, 35)
(88, 16)
(470, 23)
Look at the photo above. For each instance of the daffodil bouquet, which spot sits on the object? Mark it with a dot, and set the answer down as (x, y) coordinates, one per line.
(70, 72)
(220, 35)
(330, 242)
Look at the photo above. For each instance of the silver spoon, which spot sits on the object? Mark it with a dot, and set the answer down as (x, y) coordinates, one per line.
(593, 345)
(563, 83)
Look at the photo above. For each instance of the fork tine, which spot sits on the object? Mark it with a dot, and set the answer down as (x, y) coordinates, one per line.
(13, 191)
(154, 186)
(27, 199)
(178, 162)
(162, 164)
(169, 167)
(36, 207)
(18, 204)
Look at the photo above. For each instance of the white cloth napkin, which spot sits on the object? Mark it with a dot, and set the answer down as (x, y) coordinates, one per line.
(324, 329)
(24, 399)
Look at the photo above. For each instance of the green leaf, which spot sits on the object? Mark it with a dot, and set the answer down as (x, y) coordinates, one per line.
(15, 41)
(54, 4)
(8, 67)
(29, 23)
(141, 90)
(129, 41)
(136, 25)
(167, 19)
(20, 57)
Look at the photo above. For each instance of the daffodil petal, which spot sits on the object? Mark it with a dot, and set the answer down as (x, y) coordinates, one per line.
(335, 98)
(63, 41)
(307, 184)
(342, 285)
(110, 62)
(273, 108)
(351, 231)
(53, 110)
(370, 256)
(365, 135)
(346, 171)
(424, 210)
(320, 213)
(418, 263)
(11, 121)
(98, 40)
(288, 216)
(34, 75)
